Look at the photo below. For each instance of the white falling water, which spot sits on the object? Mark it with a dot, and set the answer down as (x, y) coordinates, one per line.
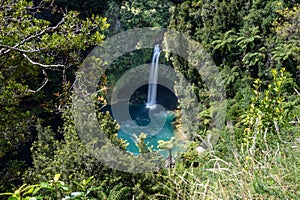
(153, 76)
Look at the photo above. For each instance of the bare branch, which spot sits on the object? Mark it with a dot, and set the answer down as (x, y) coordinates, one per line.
(277, 130)
(49, 29)
(297, 91)
(40, 64)
(18, 49)
(42, 6)
(44, 83)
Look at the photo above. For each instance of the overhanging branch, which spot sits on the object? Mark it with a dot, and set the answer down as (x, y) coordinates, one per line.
(40, 64)
(15, 47)
(5, 47)
(43, 85)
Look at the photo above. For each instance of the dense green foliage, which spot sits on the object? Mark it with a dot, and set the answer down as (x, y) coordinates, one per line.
(36, 56)
(254, 44)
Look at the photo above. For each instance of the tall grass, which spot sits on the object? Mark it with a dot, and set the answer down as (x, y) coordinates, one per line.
(230, 174)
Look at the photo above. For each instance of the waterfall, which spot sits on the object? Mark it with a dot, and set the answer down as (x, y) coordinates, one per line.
(153, 76)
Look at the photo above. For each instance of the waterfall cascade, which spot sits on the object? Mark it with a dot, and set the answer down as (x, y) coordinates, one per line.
(153, 76)
(154, 121)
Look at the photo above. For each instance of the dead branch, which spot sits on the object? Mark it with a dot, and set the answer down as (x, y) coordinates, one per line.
(5, 47)
(40, 64)
(297, 91)
(44, 83)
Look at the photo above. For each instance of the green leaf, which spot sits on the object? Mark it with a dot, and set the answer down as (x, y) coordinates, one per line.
(85, 182)
(6, 193)
(56, 177)
(46, 185)
(13, 198)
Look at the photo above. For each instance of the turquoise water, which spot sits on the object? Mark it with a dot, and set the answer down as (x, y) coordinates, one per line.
(140, 123)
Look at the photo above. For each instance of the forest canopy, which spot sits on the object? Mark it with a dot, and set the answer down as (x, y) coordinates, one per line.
(255, 46)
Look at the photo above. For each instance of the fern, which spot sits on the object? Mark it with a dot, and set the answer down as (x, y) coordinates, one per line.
(119, 192)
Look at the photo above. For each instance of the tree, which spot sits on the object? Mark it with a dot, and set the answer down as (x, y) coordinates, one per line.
(168, 145)
(37, 57)
(50, 157)
(287, 28)
(153, 13)
(243, 50)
